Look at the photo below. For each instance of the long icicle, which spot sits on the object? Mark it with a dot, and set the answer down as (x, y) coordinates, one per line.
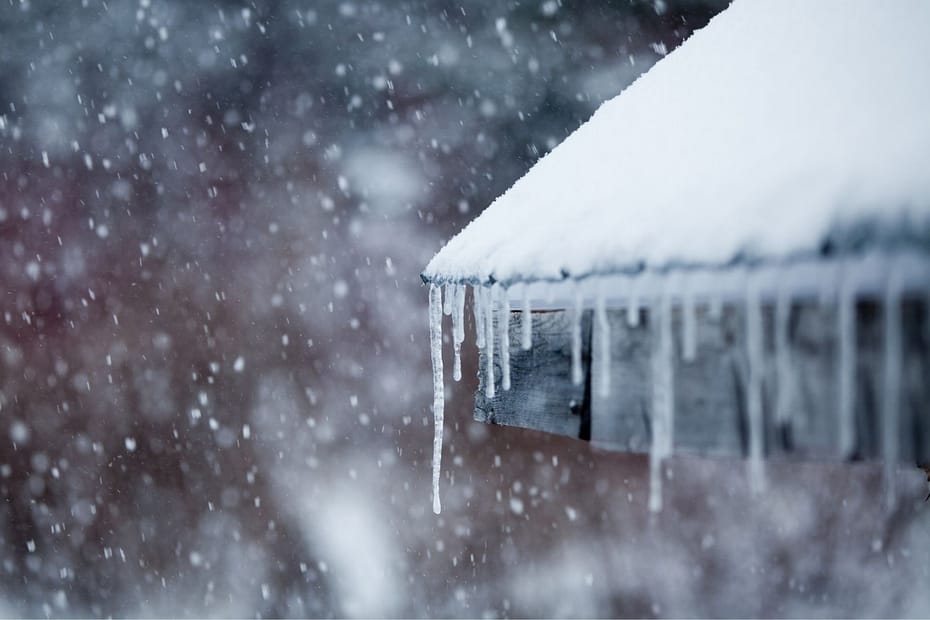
(600, 312)
(783, 367)
(435, 341)
(891, 382)
(715, 306)
(663, 397)
(477, 304)
(688, 325)
(755, 353)
(846, 381)
(488, 304)
(458, 329)
(503, 323)
(527, 320)
(577, 375)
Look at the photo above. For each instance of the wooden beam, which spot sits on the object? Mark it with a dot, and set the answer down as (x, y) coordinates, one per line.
(541, 396)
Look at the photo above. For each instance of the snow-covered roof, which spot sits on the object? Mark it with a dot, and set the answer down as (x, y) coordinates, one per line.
(779, 129)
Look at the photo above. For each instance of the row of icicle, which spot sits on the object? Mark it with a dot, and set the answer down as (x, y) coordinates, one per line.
(488, 299)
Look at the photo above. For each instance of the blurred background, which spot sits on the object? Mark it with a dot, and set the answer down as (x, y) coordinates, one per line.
(214, 361)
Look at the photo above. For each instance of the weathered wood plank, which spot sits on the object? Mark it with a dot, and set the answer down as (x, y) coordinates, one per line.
(541, 396)
(710, 391)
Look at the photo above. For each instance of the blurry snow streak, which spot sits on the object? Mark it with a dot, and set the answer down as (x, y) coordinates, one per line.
(357, 549)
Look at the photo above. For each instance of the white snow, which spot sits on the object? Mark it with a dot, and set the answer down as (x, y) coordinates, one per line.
(777, 127)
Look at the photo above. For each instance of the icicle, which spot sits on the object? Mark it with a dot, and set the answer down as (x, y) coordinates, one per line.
(600, 313)
(668, 375)
(891, 382)
(755, 353)
(527, 320)
(576, 337)
(447, 299)
(632, 308)
(847, 365)
(663, 398)
(478, 308)
(784, 369)
(688, 326)
(715, 307)
(435, 341)
(458, 329)
(503, 322)
(488, 321)
(655, 481)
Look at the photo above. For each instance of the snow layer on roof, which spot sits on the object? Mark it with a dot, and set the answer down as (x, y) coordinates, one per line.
(778, 128)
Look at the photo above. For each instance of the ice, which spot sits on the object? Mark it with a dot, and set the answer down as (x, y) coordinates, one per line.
(846, 368)
(663, 397)
(447, 299)
(756, 358)
(527, 322)
(632, 308)
(715, 307)
(600, 315)
(458, 329)
(784, 369)
(435, 341)
(503, 322)
(891, 380)
(576, 338)
(488, 322)
(688, 327)
(478, 309)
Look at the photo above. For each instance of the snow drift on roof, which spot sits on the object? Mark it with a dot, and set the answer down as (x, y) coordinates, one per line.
(777, 130)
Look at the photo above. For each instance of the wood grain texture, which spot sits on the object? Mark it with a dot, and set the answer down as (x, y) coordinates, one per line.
(541, 396)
